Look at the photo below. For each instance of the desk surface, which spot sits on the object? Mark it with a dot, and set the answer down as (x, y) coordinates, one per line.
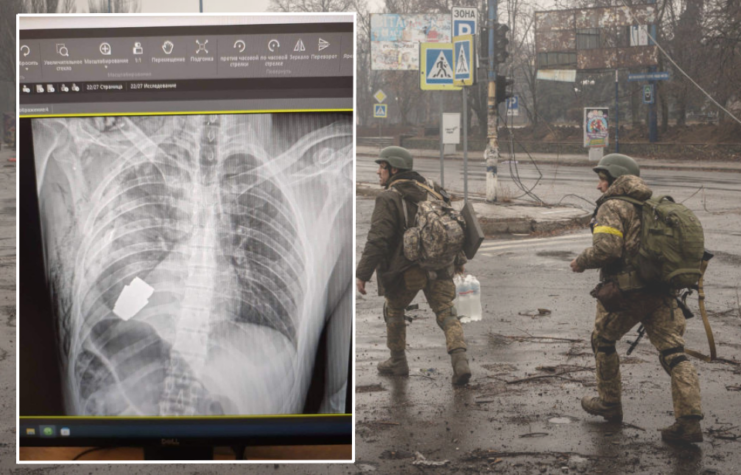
(303, 452)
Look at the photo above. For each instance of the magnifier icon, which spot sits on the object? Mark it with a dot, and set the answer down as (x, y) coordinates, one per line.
(62, 50)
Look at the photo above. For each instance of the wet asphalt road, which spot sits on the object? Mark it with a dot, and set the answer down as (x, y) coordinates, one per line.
(538, 426)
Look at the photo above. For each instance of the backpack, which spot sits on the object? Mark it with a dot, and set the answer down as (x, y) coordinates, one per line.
(438, 232)
(672, 244)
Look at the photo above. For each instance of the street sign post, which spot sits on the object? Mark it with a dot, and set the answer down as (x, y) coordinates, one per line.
(464, 21)
(436, 67)
(464, 50)
(380, 111)
(379, 96)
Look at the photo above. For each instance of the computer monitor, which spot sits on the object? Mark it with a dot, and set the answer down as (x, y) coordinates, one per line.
(186, 230)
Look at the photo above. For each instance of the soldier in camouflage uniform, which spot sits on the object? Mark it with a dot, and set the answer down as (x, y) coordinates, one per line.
(616, 228)
(399, 280)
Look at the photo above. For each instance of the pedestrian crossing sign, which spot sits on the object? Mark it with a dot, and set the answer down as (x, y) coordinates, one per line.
(463, 48)
(436, 67)
(380, 111)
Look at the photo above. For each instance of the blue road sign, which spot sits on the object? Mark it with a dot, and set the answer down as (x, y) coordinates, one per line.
(379, 110)
(513, 105)
(464, 21)
(464, 70)
(663, 76)
(439, 66)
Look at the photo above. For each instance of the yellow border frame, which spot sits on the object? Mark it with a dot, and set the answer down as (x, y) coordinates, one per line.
(128, 114)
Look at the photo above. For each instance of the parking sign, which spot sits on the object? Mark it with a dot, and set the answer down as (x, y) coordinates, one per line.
(464, 21)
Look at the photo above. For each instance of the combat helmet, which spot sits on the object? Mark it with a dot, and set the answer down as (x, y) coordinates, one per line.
(397, 157)
(616, 164)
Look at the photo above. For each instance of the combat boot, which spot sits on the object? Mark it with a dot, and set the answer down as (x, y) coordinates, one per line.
(683, 430)
(595, 406)
(396, 365)
(461, 371)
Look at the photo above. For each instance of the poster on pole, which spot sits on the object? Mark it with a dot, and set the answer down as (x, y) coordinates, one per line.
(451, 128)
(395, 38)
(596, 131)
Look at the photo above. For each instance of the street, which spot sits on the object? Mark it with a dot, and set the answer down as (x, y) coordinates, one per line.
(538, 317)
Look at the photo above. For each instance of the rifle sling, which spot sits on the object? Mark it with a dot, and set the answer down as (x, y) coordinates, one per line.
(705, 322)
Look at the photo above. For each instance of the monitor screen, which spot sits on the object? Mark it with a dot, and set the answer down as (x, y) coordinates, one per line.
(186, 203)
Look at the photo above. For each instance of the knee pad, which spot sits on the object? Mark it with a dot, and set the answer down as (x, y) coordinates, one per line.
(447, 317)
(392, 316)
(668, 364)
(602, 345)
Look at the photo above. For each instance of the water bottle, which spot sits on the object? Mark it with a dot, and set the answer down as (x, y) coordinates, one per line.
(462, 302)
(475, 305)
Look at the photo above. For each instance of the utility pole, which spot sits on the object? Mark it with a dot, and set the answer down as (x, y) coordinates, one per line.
(491, 155)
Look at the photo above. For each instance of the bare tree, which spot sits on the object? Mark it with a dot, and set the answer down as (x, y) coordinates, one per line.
(311, 5)
(114, 6)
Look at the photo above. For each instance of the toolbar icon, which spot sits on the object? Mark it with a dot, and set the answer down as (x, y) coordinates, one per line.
(25, 50)
(138, 48)
(62, 50)
(39, 88)
(105, 49)
(50, 88)
(64, 88)
(25, 89)
(201, 46)
(75, 87)
(239, 45)
(64, 431)
(48, 431)
(273, 45)
(30, 431)
(167, 47)
(323, 44)
(299, 46)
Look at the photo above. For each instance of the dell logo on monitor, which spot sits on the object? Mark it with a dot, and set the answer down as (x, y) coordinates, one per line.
(170, 442)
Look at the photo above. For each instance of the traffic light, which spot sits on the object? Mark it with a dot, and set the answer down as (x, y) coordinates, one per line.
(500, 43)
(501, 89)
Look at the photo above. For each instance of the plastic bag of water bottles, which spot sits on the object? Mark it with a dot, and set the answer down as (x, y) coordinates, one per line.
(468, 298)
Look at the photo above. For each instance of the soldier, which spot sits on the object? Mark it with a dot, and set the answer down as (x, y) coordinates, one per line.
(399, 280)
(616, 229)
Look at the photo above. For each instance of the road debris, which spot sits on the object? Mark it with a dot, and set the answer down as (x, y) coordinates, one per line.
(420, 459)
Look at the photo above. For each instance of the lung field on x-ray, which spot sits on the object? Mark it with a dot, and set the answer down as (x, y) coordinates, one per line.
(181, 255)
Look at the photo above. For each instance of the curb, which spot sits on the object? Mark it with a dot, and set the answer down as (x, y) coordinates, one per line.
(501, 226)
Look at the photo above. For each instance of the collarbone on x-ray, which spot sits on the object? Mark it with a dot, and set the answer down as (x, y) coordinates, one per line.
(194, 261)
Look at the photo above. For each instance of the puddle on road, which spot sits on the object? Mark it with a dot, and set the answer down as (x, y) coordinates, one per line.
(562, 420)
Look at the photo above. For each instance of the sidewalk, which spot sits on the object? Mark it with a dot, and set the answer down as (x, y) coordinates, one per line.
(574, 160)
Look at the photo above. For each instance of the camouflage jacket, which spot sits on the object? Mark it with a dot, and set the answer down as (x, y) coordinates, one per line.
(616, 228)
(383, 251)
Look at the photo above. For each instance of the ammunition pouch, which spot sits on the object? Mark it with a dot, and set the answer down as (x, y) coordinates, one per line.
(610, 296)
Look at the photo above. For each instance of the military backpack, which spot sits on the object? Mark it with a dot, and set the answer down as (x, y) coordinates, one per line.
(672, 244)
(438, 232)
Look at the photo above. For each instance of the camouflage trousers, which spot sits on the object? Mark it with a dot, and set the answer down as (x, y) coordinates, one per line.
(665, 327)
(439, 294)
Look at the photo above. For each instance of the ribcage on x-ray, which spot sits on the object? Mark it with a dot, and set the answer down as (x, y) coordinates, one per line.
(197, 210)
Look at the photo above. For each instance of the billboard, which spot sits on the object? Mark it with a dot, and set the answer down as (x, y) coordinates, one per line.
(596, 38)
(395, 38)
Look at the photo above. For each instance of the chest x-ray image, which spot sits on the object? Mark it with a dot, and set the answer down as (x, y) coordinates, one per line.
(195, 261)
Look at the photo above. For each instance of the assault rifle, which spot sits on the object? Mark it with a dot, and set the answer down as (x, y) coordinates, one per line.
(634, 343)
